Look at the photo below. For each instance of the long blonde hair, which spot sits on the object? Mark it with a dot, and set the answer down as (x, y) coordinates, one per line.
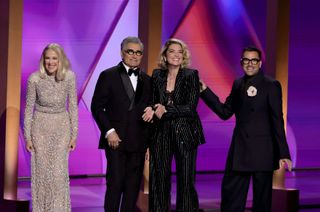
(185, 52)
(63, 66)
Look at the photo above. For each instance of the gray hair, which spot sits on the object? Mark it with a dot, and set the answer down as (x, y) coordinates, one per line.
(130, 39)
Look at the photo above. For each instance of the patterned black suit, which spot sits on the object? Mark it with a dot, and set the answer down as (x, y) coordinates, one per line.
(177, 134)
(258, 140)
(116, 105)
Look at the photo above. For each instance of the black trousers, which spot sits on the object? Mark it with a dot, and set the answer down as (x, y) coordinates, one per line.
(124, 175)
(161, 156)
(235, 186)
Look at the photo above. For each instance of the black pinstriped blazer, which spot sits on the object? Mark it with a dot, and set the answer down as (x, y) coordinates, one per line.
(183, 111)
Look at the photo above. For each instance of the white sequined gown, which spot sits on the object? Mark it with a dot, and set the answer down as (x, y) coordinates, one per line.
(50, 123)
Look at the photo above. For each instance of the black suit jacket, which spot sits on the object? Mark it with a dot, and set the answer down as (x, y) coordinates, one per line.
(259, 139)
(116, 105)
(183, 112)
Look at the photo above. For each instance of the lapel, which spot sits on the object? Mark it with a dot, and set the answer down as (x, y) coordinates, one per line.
(257, 82)
(250, 102)
(178, 85)
(126, 83)
(139, 89)
(240, 102)
(163, 85)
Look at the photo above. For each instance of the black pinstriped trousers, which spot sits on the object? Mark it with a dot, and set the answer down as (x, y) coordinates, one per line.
(162, 150)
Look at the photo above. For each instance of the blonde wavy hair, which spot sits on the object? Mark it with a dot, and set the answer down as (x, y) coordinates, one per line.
(186, 61)
(63, 66)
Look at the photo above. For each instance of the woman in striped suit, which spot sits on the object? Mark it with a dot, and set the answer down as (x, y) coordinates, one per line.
(177, 130)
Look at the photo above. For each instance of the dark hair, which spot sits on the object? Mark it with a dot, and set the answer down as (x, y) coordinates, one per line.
(251, 49)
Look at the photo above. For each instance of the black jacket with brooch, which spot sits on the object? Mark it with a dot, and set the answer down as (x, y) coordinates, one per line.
(258, 140)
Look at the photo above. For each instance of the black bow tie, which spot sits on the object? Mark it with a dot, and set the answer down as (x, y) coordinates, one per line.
(133, 71)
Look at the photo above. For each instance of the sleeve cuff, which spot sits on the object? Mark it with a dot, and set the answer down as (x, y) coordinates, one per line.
(109, 132)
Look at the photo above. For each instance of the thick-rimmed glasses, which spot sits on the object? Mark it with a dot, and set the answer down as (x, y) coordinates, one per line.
(246, 61)
(132, 52)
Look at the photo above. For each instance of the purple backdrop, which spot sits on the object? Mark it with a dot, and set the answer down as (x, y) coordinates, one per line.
(304, 81)
(216, 31)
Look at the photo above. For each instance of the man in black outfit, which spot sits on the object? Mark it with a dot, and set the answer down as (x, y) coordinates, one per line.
(121, 95)
(259, 143)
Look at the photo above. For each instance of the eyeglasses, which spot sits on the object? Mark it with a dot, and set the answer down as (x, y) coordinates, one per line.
(246, 61)
(132, 52)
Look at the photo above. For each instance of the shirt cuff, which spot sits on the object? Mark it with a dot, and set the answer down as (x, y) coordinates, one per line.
(109, 131)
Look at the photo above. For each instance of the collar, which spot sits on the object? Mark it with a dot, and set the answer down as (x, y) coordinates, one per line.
(255, 78)
(127, 67)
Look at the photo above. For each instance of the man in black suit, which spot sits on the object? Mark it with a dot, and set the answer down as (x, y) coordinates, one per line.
(121, 95)
(258, 144)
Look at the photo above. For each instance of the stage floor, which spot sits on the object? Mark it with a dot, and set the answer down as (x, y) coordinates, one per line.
(87, 194)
